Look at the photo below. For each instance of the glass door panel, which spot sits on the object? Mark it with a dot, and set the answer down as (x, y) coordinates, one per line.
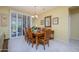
(24, 21)
(18, 22)
(13, 24)
(20, 25)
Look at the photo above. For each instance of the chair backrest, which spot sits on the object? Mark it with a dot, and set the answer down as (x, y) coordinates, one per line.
(25, 33)
(24, 30)
(43, 29)
(48, 33)
(30, 33)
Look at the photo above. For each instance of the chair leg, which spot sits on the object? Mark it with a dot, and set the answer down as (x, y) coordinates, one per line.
(48, 43)
(28, 42)
(32, 44)
(25, 39)
(36, 47)
(37, 43)
(44, 45)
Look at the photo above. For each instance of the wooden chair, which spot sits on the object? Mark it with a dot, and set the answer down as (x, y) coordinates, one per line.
(48, 33)
(26, 34)
(31, 38)
(44, 38)
(37, 39)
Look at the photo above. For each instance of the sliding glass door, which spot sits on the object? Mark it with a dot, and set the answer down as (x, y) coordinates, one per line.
(18, 22)
(13, 24)
(20, 25)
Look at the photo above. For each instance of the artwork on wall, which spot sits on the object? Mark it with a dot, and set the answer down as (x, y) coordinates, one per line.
(3, 20)
(42, 22)
(48, 21)
(0, 20)
(55, 20)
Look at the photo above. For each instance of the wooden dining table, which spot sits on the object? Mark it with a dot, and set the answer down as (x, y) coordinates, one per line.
(37, 35)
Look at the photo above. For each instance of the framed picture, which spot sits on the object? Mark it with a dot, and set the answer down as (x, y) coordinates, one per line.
(48, 21)
(3, 20)
(55, 20)
(42, 22)
(0, 20)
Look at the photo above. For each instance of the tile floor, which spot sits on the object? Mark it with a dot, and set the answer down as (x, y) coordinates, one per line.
(19, 45)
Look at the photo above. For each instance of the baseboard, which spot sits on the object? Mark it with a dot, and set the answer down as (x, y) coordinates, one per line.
(4, 50)
(5, 46)
(0, 50)
(75, 38)
(62, 41)
(6, 39)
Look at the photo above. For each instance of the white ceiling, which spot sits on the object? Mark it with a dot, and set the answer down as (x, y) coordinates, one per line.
(33, 9)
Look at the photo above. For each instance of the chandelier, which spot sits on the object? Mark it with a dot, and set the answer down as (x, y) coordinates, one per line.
(35, 16)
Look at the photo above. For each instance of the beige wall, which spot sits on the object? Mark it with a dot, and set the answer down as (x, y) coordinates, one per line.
(35, 22)
(74, 24)
(5, 29)
(61, 30)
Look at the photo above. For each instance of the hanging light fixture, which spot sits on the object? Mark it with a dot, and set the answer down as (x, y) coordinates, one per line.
(35, 13)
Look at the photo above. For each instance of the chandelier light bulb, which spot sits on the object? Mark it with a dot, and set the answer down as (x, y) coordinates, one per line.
(32, 16)
(36, 16)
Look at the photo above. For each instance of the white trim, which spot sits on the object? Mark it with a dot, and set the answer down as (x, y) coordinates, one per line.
(69, 26)
(61, 40)
(17, 23)
(10, 24)
(30, 21)
(75, 38)
(3, 49)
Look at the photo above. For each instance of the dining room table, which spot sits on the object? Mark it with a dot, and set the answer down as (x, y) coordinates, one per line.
(39, 36)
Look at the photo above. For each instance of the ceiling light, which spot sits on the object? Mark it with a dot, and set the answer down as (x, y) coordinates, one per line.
(35, 14)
